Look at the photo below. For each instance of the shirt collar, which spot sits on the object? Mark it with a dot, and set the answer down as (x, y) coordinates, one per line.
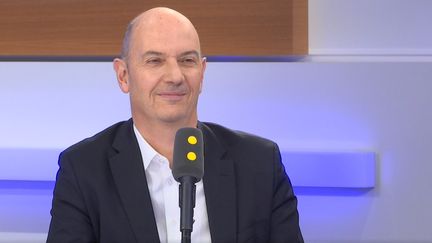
(147, 151)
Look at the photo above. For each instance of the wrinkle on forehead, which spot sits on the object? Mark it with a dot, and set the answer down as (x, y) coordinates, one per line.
(164, 19)
(157, 18)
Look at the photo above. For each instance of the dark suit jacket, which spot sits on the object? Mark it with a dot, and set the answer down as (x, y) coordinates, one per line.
(101, 192)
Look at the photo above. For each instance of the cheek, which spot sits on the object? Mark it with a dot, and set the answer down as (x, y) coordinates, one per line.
(141, 84)
(195, 81)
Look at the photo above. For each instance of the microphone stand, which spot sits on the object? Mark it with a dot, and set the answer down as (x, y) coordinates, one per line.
(187, 204)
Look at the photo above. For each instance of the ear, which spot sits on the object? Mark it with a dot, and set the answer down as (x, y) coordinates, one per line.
(122, 75)
(203, 68)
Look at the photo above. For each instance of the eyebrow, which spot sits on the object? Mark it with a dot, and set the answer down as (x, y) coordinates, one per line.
(156, 53)
(194, 53)
(152, 53)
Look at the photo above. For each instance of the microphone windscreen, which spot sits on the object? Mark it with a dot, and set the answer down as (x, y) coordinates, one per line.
(188, 158)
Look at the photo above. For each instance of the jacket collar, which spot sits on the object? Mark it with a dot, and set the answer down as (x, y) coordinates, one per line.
(219, 188)
(130, 180)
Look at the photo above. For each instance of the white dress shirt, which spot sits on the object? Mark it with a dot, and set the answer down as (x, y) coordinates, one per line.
(164, 194)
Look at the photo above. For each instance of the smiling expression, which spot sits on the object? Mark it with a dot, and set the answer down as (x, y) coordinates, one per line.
(163, 71)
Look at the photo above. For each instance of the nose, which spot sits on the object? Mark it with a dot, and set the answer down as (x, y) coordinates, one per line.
(173, 72)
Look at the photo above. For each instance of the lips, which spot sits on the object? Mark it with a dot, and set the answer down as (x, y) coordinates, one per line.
(172, 95)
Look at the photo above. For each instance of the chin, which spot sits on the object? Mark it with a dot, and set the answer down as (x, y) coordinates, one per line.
(173, 118)
(176, 114)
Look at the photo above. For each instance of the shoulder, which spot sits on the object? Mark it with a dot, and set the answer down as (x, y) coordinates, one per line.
(88, 160)
(249, 152)
(234, 139)
(97, 143)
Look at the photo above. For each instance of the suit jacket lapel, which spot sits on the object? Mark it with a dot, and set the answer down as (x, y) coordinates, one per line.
(129, 177)
(219, 186)
(219, 189)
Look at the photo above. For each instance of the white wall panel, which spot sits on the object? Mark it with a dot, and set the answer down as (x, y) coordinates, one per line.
(40, 102)
(370, 27)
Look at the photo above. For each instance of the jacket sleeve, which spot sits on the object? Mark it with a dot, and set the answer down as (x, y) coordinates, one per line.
(285, 218)
(69, 216)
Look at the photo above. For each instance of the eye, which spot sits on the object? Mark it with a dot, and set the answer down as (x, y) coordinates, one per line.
(188, 60)
(154, 61)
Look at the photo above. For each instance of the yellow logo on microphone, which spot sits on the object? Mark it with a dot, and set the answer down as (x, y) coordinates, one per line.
(192, 140)
(191, 155)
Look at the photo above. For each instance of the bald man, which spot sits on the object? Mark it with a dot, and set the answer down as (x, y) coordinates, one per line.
(117, 186)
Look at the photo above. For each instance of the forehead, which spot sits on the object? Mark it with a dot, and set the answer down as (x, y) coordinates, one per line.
(165, 34)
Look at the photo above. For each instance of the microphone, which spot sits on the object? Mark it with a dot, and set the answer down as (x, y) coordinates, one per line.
(188, 169)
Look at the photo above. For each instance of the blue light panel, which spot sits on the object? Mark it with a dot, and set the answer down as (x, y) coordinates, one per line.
(331, 169)
(306, 169)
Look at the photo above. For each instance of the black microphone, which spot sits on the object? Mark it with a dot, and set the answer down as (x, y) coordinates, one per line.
(188, 168)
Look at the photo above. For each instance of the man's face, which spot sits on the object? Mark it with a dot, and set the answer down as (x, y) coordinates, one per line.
(164, 72)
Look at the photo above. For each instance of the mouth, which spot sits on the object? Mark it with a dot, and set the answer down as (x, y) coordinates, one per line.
(172, 96)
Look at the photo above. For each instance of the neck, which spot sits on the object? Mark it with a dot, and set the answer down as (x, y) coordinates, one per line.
(161, 135)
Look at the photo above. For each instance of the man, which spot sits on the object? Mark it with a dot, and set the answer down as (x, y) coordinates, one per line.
(117, 185)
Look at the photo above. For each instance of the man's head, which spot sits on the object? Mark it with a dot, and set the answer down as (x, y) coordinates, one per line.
(161, 67)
